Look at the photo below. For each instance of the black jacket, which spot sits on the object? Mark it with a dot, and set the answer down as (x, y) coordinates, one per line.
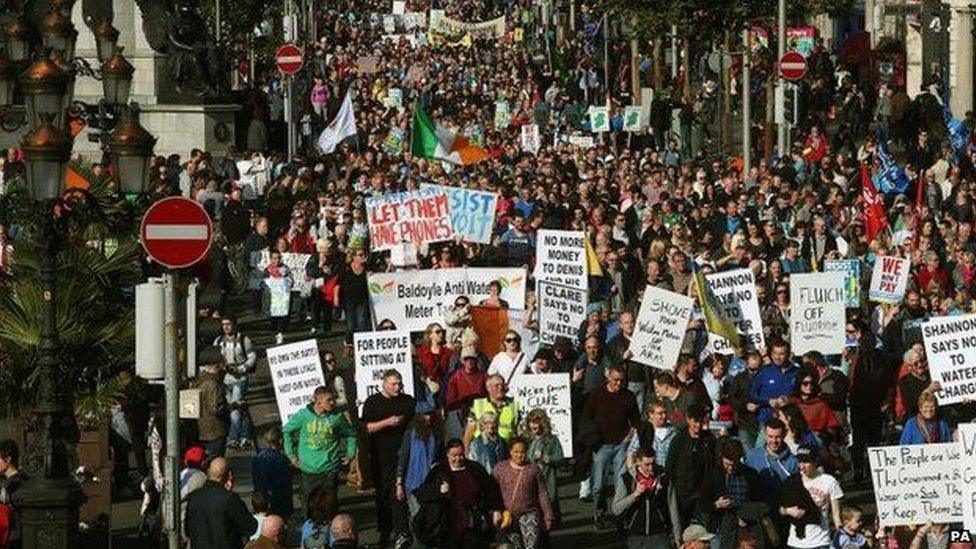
(689, 462)
(434, 520)
(715, 486)
(216, 518)
(794, 494)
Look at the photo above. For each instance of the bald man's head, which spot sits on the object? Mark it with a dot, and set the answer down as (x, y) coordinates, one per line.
(218, 470)
(272, 527)
(343, 527)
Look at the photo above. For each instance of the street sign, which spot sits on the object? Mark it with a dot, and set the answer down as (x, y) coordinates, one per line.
(792, 66)
(289, 59)
(176, 232)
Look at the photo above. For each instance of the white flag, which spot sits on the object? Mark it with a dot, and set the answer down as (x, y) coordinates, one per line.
(343, 126)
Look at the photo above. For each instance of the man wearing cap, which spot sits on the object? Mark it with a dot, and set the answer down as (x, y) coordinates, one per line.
(696, 537)
(810, 502)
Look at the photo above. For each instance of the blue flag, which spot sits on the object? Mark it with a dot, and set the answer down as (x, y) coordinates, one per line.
(957, 133)
(891, 178)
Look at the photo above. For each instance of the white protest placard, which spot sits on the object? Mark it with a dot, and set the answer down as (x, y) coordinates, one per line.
(852, 278)
(817, 313)
(420, 216)
(295, 373)
(560, 257)
(889, 279)
(394, 99)
(279, 293)
(917, 484)
(735, 292)
(414, 299)
(581, 141)
(399, 7)
(376, 352)
(550, 393)
(296, 264)
(967, 467)
(472, 212)
(661, 325)
(950, 346)
(599, 119)
(633, 120)
(530, 138)
(562, 309)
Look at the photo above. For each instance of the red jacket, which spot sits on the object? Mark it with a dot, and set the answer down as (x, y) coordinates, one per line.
(435, 366)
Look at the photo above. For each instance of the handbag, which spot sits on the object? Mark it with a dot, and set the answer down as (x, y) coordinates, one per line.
(507, 514)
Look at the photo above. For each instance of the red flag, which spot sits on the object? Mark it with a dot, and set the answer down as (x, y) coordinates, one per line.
(874, 215)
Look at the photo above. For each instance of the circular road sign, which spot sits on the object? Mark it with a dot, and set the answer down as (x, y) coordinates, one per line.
(176, 232)
(289, 59)
(792, 66)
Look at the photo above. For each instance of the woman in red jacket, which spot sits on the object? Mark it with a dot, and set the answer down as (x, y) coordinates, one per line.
(434, 355)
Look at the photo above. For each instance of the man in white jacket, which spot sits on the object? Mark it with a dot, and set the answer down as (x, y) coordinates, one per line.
(239, 361)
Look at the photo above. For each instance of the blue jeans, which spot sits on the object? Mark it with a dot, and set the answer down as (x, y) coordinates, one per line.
(611, 455)
(357, 319)
(240, 421)
(637, 387)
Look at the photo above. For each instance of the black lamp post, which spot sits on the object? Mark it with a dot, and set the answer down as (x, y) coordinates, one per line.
(130, 149)
(106, 38)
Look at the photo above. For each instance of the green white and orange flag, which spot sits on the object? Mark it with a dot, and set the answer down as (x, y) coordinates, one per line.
(431, 140)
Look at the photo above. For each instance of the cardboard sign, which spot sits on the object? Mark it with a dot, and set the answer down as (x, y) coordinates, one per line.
(394, 99)
(279, 292)
(599, 119)
(852, 279)
(950, 346)
(550, 393)
(503, 115)
(560, 258)
(296, 263)
(472, 212)
(581, 141)
(889, 279)
(295, 373)
(661, 326)
(967, 466)
(421, 216)
(530, 138)
(491, 325)
(414, 299)
(917, 484)
(562, 309)
(190, 404)
(376, 352)
(633, 118)
(817, 313)
(735, 291)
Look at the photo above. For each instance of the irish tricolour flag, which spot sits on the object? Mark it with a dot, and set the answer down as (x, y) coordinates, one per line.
(431, 140)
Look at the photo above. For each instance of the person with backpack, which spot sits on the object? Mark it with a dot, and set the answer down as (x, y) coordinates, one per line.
(11, 478)
(240, 359)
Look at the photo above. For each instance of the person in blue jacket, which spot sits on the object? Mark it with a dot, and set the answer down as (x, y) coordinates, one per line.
(773, 385)
(926, 427)
(271, 472)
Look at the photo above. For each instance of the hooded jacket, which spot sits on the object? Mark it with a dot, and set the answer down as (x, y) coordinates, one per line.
(319, 440)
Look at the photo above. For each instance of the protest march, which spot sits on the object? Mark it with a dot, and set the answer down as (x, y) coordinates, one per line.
(518, 285)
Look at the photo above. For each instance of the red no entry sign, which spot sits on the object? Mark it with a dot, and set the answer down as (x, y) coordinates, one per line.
(289, 59)
(792, 66)
(176, 232)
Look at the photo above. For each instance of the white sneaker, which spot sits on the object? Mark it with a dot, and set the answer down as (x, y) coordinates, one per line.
(279, 338)
(584, 491)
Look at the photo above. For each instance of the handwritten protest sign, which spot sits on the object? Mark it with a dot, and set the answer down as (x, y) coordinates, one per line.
(735, 291)
(414, 299)
(852, 278)
(917, 484)
(560, 258)
(472, 212)
(817, 312)
(530, 138)
(551, 394)
(295, 373)
(377, 352)
(967, 467)
(889, 279)
(562, 309)
(296, 264)
(279, 294)
(950, 346)
(503, 114)
(661, 325)
(414, 216)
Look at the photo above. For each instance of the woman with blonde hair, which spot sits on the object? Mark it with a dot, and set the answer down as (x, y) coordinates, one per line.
(434, 356)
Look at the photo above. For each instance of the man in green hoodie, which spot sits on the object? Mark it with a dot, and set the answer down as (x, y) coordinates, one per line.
(320, 431)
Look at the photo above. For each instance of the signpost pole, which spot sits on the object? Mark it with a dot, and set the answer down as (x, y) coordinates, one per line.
(746, 107)
(780, 83)
(172, 385)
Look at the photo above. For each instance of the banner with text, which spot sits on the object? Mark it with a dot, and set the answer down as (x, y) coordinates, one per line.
(295, 373)
(852, 279)
(661, 326)
(472, 212)
(950, 346)
(817, 313)
(452, 28)
(917, 484)
(560, 258)
(296, 263)
(551, 393)
(414, 216)
(414, 299)
(889, 279)
(735, 292)
(562, 309)
(377, 352)
(967, 467)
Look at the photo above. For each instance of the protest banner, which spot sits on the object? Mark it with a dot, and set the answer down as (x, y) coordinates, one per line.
(530, 138)
(581, 141)
(296, 264)
(503, 114)
(550, 393)
(376, 352)
(967, 468)
(414, 299)
(441, 24)
(562, 309)
(889, 279)
(399, 7)
(852, 279)
(295, 373)
(560, 257)
(279, 296)
(661, 325)
(800, 39)
(950, 346)
(472, 212)
(394, 99)
(421, 216)
(599, 119)
(394, 141)
(735, 292)
(817, 313)
(917, 484)
(633, 120)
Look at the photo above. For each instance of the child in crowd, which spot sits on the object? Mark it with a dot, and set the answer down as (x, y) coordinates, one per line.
(849, 535)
